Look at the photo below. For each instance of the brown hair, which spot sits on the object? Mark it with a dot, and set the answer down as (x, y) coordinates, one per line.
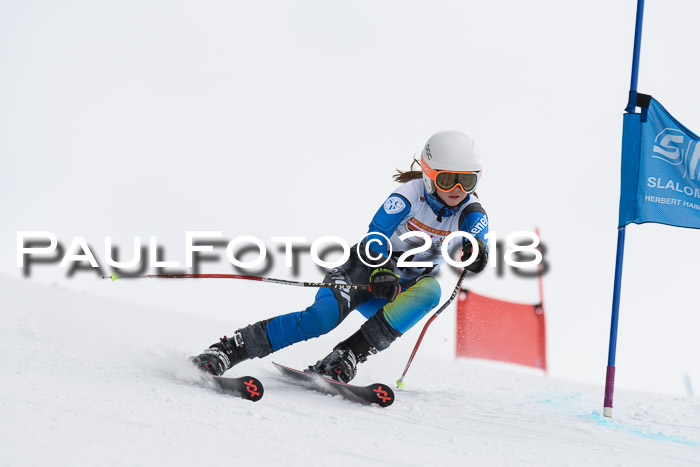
(402, 176)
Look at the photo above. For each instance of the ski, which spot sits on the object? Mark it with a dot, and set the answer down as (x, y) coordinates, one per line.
(380, 394)
(245, 387)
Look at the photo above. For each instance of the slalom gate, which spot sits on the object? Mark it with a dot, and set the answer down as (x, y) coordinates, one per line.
(494, 329)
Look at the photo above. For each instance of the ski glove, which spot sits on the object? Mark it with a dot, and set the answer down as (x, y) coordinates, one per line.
(384, 283)
(481, 259)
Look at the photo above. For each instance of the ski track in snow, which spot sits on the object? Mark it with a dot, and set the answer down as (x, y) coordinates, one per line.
(86, 381)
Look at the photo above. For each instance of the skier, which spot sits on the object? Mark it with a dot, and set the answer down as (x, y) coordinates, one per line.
(437, 200)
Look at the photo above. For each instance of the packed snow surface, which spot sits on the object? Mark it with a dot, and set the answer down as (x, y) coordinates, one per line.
(85, 381)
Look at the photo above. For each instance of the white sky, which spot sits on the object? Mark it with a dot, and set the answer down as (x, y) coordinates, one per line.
(288, 118)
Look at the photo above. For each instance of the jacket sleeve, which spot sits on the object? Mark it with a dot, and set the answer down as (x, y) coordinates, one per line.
(474, 220)
(389, 216)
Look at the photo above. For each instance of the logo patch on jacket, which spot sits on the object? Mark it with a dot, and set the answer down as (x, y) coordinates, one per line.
(394, 204)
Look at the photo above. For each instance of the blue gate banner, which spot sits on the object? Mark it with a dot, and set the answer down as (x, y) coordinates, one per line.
(660, 178)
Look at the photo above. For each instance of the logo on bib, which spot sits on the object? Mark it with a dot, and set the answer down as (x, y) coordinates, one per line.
(394, 204)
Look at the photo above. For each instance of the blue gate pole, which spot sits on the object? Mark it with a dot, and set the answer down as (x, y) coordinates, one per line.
(635, 57)
(612, 348)
(610, 372)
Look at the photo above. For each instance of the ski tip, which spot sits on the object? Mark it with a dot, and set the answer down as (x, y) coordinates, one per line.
(400, 384)
(383, 394)
(254, 389)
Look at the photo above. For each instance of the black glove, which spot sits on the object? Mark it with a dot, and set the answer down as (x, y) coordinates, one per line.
(481, 259)
(384, 283)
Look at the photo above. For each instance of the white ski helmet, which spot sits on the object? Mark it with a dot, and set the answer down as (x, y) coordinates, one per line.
(450, 158)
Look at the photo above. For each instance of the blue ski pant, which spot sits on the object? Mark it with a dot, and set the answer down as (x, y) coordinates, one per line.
(332, 306)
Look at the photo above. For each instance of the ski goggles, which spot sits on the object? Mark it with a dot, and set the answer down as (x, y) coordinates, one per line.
(447, 180)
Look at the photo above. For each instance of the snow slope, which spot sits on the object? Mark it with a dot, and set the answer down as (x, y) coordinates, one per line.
(85, 381)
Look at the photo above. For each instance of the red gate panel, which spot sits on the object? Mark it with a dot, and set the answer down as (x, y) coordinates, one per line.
(498, 330)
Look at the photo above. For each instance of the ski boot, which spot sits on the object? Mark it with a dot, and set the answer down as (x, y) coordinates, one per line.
(341, 364)
(248, 342)
(221, 356)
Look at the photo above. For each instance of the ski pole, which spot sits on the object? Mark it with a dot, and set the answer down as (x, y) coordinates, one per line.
(114, 277)
(399, 382)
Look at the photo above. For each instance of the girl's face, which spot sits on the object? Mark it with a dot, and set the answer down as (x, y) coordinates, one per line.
(453, 197)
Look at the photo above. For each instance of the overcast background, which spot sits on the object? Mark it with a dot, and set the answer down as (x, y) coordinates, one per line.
(277, 118)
